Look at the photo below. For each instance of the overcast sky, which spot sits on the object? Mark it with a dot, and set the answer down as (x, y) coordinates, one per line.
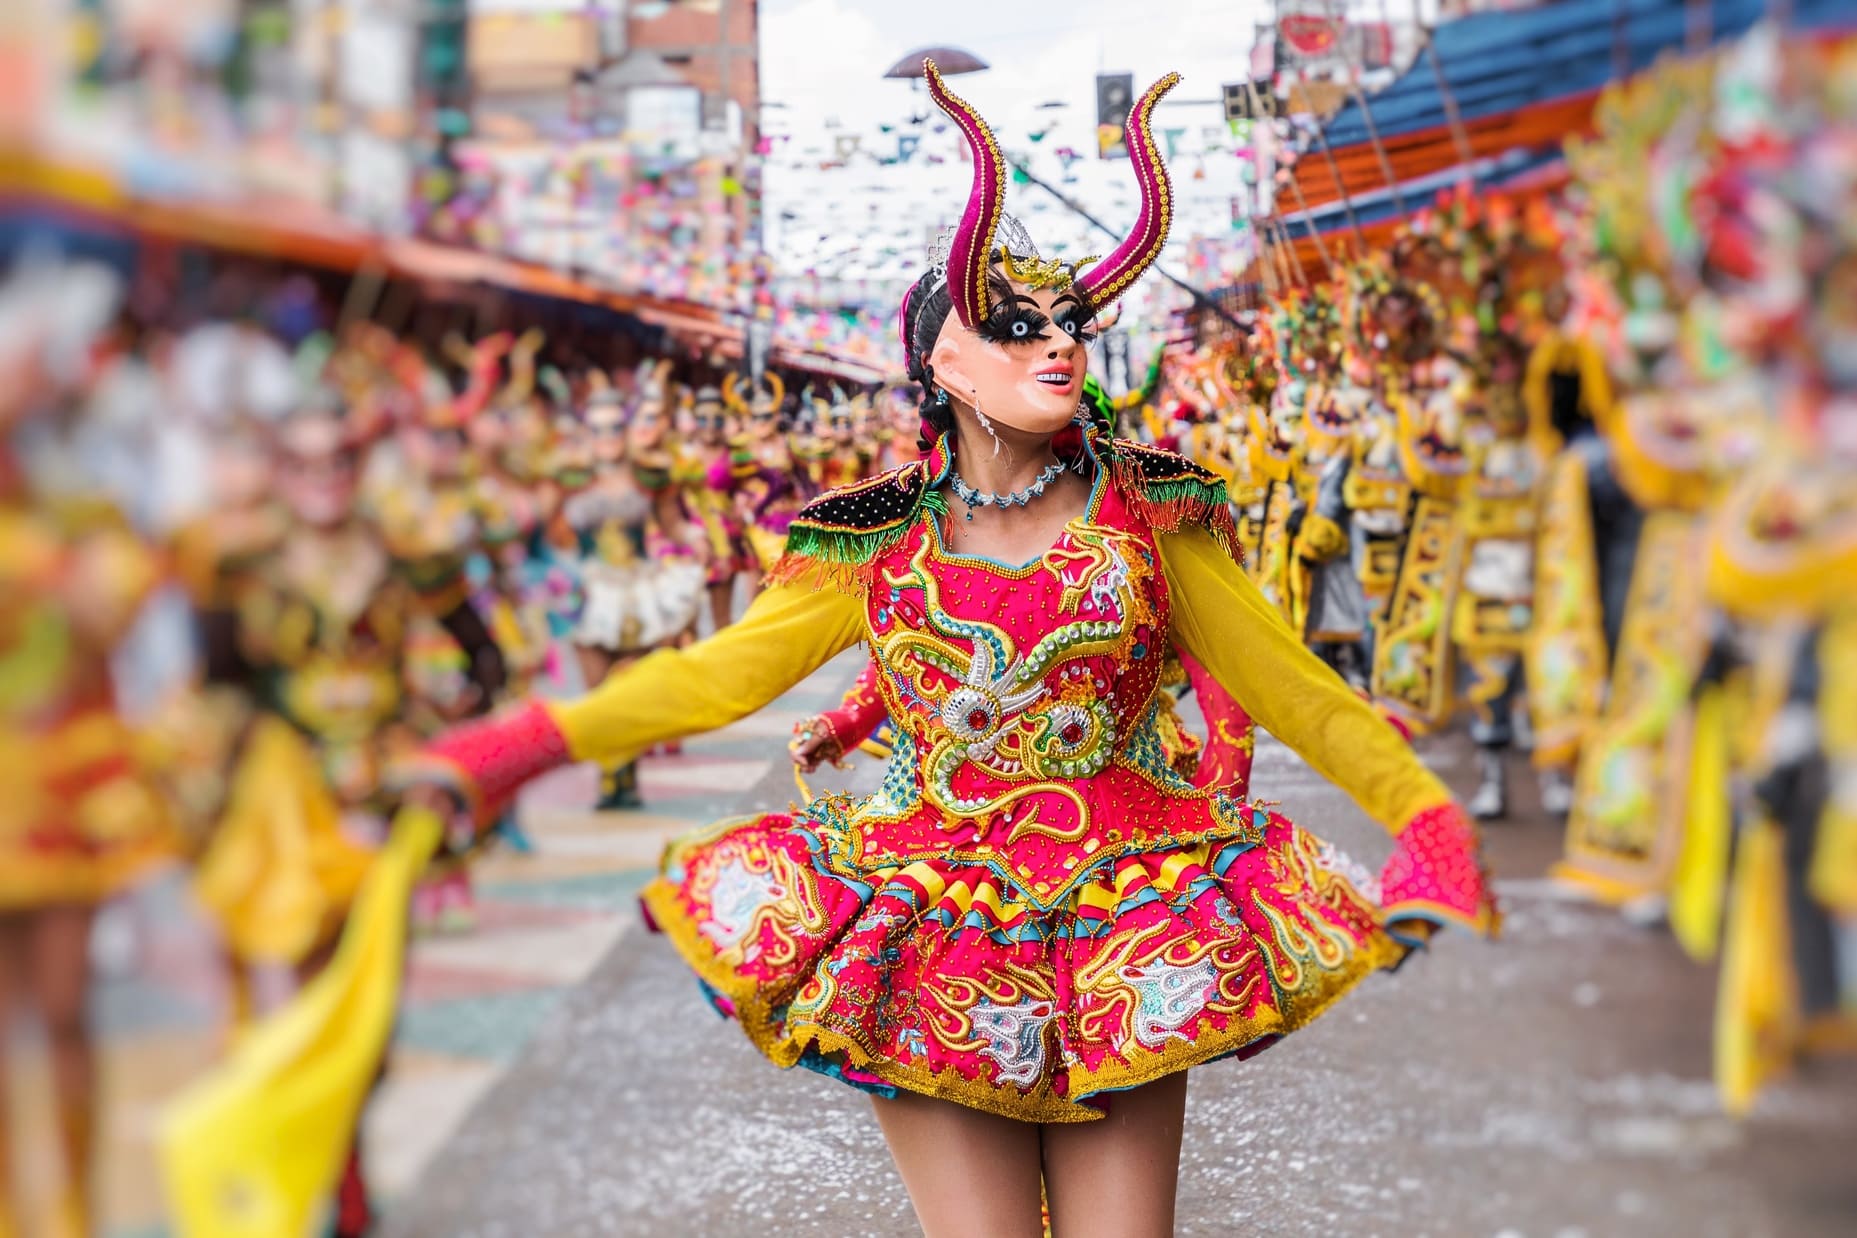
(822, 63)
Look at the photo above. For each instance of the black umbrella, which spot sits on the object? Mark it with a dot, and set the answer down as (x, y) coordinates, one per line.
(950, 60)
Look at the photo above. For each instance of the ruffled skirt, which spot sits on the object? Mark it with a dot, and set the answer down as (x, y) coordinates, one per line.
(630, 608)
(934, 978)
(81, 814)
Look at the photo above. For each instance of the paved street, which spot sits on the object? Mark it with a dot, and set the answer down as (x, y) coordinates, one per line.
(1553, 1085)
(556, 1073)
(473, 1001)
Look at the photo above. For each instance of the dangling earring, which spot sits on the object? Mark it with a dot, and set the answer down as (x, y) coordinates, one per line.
(984, 423)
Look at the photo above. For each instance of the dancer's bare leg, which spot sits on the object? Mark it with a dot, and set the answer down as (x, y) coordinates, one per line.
(722, 603)
(595, 664)
(1116, 1178)
(60, 969)
(968, 1173)
(12, 984)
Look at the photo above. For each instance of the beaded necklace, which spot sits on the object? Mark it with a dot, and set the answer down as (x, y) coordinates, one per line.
(973, 498)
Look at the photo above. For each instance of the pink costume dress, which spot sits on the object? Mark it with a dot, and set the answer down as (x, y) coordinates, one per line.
(1222, 761)
(1035, 909)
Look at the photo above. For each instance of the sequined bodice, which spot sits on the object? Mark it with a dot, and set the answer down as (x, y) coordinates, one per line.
(1025, 702)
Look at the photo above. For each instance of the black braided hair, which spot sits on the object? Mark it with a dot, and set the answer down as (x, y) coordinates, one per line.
(925, 312)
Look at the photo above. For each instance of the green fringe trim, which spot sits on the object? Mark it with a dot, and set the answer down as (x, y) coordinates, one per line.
(1176, 502)
(840, 558)
(829, 558)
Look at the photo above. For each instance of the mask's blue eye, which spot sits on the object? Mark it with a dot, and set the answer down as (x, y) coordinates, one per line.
(1014, 325)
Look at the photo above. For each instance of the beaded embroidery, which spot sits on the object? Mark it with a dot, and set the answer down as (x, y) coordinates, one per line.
(1035, 907)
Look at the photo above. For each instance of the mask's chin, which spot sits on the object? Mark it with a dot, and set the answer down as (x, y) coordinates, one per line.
(1040, 413)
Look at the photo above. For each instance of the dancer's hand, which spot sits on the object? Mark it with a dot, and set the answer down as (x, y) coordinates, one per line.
(813, 744)
(443, 803)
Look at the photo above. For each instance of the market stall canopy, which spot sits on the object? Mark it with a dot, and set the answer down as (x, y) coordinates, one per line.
(949, 60)
(90, 201)
(1521, 81)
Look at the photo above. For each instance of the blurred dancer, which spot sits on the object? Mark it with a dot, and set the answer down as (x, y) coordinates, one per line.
(848, 458)
(770, 491)
(80, 817)
(898, 431)
(1334, 609)
(1588, 535)
(710, 463)
(513, 498)
(428, 507)
(634, 601)
(317, 636)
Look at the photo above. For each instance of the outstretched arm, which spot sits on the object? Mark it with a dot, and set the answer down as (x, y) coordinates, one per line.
(788, 632)
(1220, 618)
(830, 735)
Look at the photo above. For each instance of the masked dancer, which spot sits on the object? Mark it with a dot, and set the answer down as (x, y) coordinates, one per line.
(1035, 924)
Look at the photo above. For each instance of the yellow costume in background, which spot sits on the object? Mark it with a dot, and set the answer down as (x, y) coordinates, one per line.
(1630, 789)
(1566, 655)
(1413, 671)
(253, 1149)
(281, 873)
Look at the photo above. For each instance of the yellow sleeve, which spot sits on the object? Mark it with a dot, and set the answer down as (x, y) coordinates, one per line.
(788, 633)
(1220, 618)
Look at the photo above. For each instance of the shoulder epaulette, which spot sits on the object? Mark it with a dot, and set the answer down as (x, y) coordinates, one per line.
(845, 529)
(1171, 491)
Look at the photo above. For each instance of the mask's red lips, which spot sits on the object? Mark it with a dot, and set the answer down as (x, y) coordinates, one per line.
(1057, 377)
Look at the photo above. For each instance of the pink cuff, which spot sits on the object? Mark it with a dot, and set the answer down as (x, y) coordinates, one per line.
(1435, 873)
(488, 761)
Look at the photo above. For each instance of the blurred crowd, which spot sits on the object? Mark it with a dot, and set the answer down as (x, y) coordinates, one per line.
(243, 579)
(1580, 470)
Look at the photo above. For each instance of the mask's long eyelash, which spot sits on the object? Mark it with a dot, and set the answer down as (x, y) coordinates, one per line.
(1019, 326)
(1078, 327)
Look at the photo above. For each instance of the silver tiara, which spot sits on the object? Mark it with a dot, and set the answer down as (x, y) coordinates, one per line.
(1011, 236)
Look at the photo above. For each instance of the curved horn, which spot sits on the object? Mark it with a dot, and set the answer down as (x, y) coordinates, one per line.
(1114, 275)
(732, 394)
(522, 365)
(777, 390)
(970, 252)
